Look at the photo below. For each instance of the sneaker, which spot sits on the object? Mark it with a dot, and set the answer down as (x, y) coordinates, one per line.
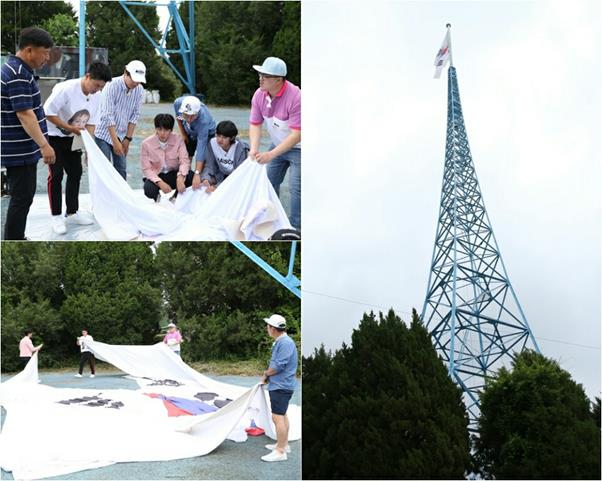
(271, 447)
(79, 218)
(58, 224)
(78, 375)
(92, 375)
(274, 456)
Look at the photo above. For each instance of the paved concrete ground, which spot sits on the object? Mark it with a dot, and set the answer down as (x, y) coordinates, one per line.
(229, 461)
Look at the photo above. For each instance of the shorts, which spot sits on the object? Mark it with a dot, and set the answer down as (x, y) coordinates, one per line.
(279, 398)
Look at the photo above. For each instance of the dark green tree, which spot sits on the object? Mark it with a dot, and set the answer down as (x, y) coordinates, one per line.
(383, 407)
(232, 37)
(58, 288)
(536, 423)
(17, 15)
(596, 411)
(218, 297)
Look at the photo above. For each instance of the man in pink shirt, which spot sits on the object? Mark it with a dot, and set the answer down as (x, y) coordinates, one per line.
(26, 349)
(277, 103)
(164, 159)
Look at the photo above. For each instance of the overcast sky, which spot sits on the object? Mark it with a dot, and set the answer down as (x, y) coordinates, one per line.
(373, 149)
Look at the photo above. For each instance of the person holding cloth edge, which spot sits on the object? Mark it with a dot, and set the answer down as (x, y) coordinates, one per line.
(280, 377)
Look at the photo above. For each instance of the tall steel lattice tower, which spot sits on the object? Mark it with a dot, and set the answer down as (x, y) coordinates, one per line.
(471, 310)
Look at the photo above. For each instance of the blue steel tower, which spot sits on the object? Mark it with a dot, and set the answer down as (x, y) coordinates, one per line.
(471, 310)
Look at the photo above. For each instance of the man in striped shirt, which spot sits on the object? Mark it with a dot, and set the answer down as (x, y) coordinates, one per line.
(24, 135)
(120, 109)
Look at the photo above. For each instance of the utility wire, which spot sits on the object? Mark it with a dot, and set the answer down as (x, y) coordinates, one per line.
(409, 313)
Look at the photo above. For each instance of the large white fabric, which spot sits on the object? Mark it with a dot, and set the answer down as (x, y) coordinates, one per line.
(244, 207)
(45, 435)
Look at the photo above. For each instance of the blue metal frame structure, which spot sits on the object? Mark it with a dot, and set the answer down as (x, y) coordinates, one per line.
(471, 309)
(290, 281)
(186, 38)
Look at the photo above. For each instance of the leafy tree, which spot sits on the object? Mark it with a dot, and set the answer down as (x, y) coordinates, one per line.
(122, 291)
(536, 423)
(596, 411)
(382, 408)
(17, 15)
(234, 36)
(219, 297)
(63, 28)
(39, 316)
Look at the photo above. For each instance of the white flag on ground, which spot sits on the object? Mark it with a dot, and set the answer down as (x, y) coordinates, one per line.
(442, 57)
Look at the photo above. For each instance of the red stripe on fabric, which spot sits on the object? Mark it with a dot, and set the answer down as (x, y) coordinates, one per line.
(49, 188)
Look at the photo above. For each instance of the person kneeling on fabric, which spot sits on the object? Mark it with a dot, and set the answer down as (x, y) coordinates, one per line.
(164, 160)
(224, 154)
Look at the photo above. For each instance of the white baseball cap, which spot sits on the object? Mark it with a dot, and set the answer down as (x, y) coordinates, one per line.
(272, 66)
(171, 324)
(137, 71)
(190, 105)
(276, 320)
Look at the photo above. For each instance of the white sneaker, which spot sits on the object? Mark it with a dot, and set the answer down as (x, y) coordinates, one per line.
(92, 375)
(78, 375)
(271, 447)
(274, 456)
(80, 218)
(58, 224)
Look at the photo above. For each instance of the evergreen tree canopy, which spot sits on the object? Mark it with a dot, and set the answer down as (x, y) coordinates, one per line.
(122, 292)
(17, 15)
(231, 37)
(536, 423)
(382, 408)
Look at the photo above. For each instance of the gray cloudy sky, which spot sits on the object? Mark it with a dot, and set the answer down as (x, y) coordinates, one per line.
(373, 150)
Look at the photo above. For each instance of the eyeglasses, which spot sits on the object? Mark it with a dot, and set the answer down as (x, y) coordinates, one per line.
(263, 75)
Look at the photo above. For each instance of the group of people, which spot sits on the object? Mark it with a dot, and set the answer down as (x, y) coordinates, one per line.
(200, 154)
(280, 376)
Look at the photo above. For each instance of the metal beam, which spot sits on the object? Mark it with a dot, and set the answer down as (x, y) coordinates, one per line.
(186, 40)
(290, 281)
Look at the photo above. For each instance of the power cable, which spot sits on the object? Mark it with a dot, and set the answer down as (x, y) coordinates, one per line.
(409, 313)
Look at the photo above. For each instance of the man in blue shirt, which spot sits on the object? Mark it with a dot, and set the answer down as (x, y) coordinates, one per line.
(24, 134)
(196, 127)
(280, 376)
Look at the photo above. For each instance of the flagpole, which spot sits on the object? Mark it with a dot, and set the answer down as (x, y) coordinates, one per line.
(451, 59)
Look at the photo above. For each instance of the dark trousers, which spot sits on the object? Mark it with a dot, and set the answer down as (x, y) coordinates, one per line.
(151, 190)
(192, 145)
(22, 188)
(24, 361)
(87, 356)
(69, 161)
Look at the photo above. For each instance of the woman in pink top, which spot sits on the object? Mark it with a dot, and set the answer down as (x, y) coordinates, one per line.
(173, 338)
(26, 348)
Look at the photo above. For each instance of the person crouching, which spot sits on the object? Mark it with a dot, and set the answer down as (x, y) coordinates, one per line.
(225, 153)
(164, 159)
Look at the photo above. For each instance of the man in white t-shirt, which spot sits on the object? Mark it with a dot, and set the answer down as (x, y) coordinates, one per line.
(73, 105)
(86, 354)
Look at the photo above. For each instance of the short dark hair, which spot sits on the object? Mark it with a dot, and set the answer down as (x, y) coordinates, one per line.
(100, 71)
(165, 121)
(34, 37)
(227, 128)
(28, 332)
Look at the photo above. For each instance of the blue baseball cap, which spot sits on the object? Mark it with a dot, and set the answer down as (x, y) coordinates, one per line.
(272, 66)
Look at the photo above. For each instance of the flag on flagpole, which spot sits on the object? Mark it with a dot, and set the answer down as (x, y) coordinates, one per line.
(443, 55)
